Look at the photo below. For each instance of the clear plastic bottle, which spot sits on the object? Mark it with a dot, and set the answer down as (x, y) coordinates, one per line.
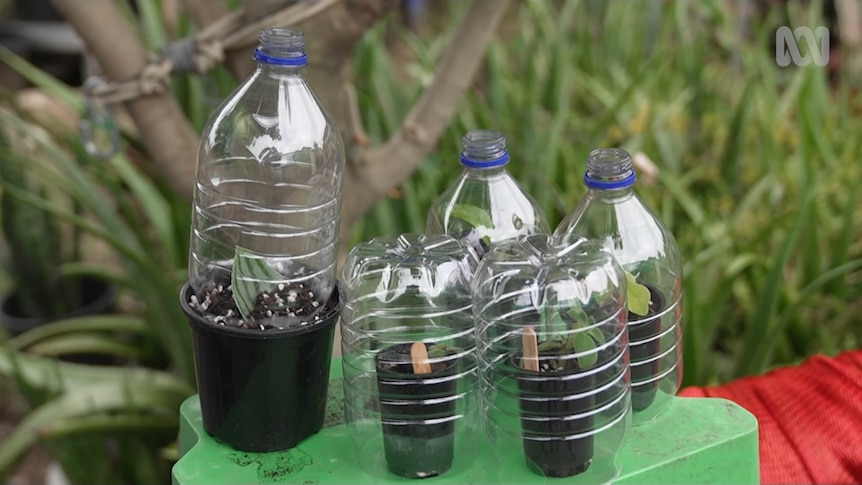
(612, 214)
(415, 415)
(268, 184)
(485, 205)
(551, 325)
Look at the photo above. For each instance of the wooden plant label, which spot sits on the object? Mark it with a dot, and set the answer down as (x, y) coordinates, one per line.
(530, 360)
(419, 356)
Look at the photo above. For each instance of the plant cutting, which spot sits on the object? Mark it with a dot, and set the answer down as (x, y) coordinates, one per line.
(478, 226)
(645, 305)
(554, 385)
(416, 384)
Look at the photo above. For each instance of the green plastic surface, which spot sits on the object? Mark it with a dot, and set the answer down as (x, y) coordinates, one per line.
(705, 441)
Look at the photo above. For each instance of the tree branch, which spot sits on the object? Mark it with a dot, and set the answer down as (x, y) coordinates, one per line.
(371, 175)
(205, 12)
(164, 129)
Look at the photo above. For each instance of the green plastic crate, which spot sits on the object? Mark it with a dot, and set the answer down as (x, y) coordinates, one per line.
(697, 440)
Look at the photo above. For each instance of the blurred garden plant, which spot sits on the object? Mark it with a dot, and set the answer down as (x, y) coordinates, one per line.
(756, 166)
(34, 247)
(104, 424)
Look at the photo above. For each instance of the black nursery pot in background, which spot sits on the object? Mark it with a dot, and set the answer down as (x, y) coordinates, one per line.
(262, 390)
(415, 448)
(644, 350)
(97, 298)
(545, 423)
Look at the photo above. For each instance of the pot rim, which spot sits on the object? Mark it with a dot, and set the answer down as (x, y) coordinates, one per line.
(99, 305)
(200, 323)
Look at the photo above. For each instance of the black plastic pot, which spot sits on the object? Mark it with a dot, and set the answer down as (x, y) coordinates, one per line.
(415, 447)
(644, 364)
(98, 298)
(262, 390)
(546, 425)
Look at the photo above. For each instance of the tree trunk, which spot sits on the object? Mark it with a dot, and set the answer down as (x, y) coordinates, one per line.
(167, 134)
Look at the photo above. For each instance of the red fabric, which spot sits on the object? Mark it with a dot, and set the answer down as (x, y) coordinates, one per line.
(809, 419)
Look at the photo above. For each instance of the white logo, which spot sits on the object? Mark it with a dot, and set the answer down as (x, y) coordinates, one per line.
(787, 47)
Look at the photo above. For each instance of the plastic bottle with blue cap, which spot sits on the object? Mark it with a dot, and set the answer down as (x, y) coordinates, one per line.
(268, 184)
(611, 213)
(485, 205)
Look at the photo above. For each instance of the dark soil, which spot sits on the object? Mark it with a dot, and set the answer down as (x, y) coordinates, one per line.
(549, 360)
(397, 359)
(290, 305)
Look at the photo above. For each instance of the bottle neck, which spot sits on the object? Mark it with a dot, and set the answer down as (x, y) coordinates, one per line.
(609, 169)
(486, 173)
(275, 70)
(613, 195)
(280, 50)
(484, 150)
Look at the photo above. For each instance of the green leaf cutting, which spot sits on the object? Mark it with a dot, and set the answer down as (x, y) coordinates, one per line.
(442, 350)
(596, 335)
(250, 276)
(637, 296)
(585, 343)
(472, 215)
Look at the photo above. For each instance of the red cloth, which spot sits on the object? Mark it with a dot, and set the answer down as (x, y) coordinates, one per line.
(809, 419)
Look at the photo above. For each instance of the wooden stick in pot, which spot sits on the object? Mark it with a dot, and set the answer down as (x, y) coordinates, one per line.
(529, 342)
(419, 356)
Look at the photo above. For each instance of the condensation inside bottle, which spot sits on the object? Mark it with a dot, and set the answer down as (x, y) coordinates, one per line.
(269, 177)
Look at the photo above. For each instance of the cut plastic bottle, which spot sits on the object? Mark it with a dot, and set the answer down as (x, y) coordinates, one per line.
(612, 214)
(485, 205)
(267, 195)
(411, 395)
(551, 325)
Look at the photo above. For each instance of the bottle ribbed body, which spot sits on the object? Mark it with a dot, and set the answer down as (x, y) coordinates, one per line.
(268, 181)
(411, 395)
(551, 326)
(485, 205)
(612, 214)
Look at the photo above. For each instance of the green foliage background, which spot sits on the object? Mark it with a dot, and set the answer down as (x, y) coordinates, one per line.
(757, 163)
